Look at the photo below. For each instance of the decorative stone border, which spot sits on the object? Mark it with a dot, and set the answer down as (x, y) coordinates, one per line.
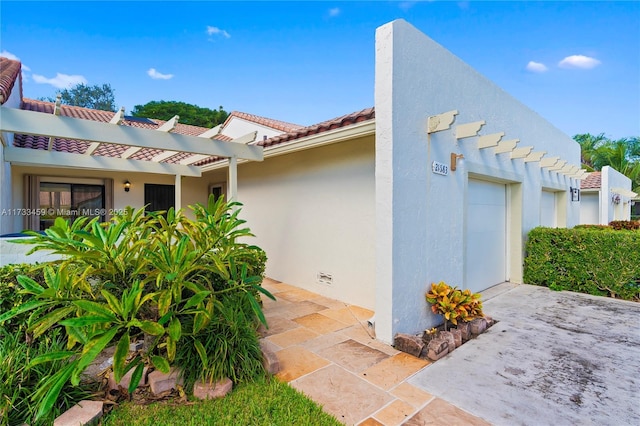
(90, 412)
(434, 346)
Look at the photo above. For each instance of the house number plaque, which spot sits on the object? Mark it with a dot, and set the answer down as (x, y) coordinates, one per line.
(440, 168)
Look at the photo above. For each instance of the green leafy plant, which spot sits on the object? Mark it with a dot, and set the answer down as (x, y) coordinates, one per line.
(10, 295)
(227, 347)
(454, 304)
(158, 276)
(19, 379)
(589, 261)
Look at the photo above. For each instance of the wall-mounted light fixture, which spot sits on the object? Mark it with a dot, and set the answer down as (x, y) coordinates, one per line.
(127, 186)
(575, 194)
(454, 160)
(615, 198)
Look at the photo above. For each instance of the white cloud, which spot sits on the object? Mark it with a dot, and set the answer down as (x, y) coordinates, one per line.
(536, 67)
(217, 31)
(156, 75)
(334, 11)
(9, 55)
(60, 81)
(579, 61)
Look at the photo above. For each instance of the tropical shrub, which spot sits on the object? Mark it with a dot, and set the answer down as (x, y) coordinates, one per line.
(228, 346)
(10, 295)
(454, 304)
(19, 379)
(163, 277)
(585, 260)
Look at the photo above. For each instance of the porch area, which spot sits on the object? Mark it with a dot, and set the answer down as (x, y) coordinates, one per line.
(328, 351)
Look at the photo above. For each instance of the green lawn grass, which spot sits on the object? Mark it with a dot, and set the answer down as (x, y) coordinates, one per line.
(266, 402)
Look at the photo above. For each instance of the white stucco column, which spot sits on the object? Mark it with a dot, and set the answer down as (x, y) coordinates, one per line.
(178, 193)
(232, 183)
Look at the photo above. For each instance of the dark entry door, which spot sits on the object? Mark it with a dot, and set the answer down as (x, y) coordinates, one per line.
(159, 197)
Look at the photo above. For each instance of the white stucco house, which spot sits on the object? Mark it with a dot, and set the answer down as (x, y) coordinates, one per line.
(440, 181)
(605, 196)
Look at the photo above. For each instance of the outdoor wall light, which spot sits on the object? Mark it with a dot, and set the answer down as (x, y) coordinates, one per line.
(615, 199)
(575, 194)
(454, 160)
(127, 186)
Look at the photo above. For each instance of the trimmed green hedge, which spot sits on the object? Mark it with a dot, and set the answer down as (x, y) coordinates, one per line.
(598, 262)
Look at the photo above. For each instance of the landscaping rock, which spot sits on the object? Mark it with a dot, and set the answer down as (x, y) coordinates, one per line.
(437, 349)
(83, 413)
(457, 337)
(448, 337)
(162, 382)
(126, 379)
(490, 321)
(270, 361)
(465, 329)
(408, 343)
(478, 326)
(205, 390)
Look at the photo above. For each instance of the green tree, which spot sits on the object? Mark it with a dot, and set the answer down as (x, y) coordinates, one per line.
(621, 154)
(188, 113)
(94, 97)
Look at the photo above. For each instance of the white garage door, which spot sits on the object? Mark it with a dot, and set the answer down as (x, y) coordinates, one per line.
(548, 214)
(486, 235)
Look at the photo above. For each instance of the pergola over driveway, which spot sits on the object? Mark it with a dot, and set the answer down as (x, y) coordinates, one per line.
(206, 145)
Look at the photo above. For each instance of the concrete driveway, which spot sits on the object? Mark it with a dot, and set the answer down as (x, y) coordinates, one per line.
(554, 358)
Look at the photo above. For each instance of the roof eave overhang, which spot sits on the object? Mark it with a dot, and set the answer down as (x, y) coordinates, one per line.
(43, 158)
(341, 134)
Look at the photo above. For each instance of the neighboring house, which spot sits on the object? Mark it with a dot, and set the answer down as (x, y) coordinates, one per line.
(442, 181)
(605, 196)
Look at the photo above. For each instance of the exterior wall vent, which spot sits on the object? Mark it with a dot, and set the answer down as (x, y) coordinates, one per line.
(324, 278)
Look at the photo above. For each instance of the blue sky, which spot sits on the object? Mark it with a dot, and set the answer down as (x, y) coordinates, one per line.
(575, 63)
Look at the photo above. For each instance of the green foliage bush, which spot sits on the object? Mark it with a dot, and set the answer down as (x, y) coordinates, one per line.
(603, 263)
(163, 277)
(19, 380)
(10, 295)
(228, 346)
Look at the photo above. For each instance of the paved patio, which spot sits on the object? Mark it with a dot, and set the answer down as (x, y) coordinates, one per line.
(553, 358)
(327, 351)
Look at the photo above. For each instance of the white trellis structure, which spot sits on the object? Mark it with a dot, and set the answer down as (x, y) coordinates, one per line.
(203, 146)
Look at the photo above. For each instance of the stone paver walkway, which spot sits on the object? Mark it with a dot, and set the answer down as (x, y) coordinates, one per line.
(327, 351)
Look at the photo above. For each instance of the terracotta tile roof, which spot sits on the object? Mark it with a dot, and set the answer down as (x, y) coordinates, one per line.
(592, 181)
(335, 123)
(9, 73)
(274, 124)
(107, 150)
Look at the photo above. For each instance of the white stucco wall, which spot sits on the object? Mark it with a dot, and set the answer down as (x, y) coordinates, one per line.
(590, 208)
(10, 252)
(420, 216)
(313, 211)
(611, 179)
